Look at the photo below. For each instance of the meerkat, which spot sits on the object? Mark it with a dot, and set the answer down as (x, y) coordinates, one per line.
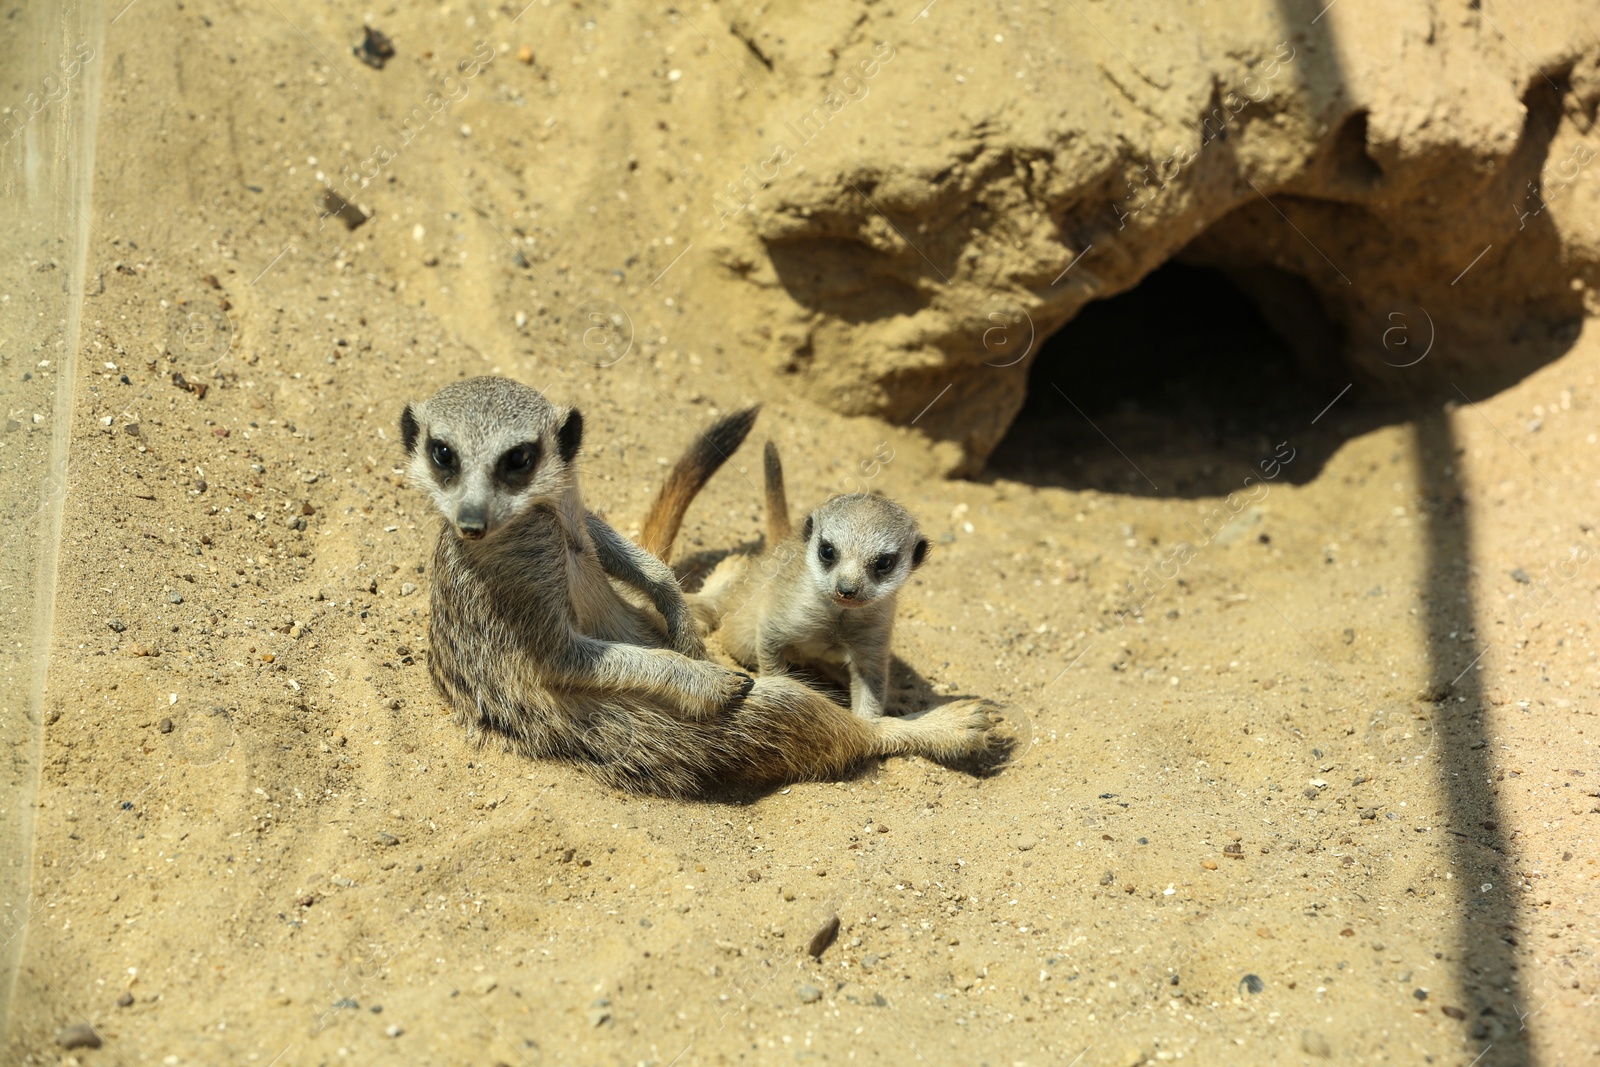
(531, 643)
(825, 596)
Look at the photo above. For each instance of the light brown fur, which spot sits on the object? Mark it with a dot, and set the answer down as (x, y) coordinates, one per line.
(688, 476)
(821, 597)
(532, 643)
(777, 498)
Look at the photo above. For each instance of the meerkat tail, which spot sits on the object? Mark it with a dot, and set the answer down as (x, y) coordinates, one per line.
(690, 475)
(777, 500)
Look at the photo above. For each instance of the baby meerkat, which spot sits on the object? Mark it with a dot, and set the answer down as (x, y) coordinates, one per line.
(530, 641)
(825, 596)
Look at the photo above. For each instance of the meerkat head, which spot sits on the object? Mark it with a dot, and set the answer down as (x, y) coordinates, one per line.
(487, 449)
(861, 548)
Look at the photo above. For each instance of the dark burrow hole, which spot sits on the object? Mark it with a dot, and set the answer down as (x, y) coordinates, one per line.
(1181, 387)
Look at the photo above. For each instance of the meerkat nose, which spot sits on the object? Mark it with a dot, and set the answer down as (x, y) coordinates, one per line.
(472, 523)
(848, 591)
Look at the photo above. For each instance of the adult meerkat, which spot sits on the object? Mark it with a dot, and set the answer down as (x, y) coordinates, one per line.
(531, 642)
(826, 595)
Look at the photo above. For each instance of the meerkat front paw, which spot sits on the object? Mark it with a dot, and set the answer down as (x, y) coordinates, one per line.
(714, 689)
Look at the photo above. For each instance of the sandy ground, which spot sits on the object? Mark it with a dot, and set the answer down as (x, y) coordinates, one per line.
(1309, 764)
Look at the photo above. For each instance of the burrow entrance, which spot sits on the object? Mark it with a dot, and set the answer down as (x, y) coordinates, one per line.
(1181, 386)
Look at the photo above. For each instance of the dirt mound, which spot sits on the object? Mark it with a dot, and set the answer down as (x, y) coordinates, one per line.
(1382, 184)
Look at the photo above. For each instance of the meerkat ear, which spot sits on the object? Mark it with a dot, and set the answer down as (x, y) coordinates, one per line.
(570, 437)
(805, 531)
(919, 552)
(409, 430)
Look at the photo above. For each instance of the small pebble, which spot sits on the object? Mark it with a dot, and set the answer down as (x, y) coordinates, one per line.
(175, 598)
(809, 994)
(1209, 865)
(407, 588)
(1454, 1013)
(1420, 994)
(1026, 843)
(165, 726)
(1252, 983)
(384, 837)
(485, 985)
(599, 1017)
(125, 1001)
(393, 1030)
(78, 1035)
(375, 48)
(117, 626)
(825, 936)
(753, 874)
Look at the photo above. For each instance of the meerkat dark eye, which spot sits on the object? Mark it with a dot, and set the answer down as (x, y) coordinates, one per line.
(825, 552)
(885, 563)
(443, 456)
(518, 462)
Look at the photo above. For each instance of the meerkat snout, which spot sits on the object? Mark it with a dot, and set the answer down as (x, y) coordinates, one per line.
(486, 449)
(472, 520)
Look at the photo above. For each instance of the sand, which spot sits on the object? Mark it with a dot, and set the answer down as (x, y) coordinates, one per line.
(1307, 767)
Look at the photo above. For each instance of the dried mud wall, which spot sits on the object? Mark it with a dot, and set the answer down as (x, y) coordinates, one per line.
(913, 218)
